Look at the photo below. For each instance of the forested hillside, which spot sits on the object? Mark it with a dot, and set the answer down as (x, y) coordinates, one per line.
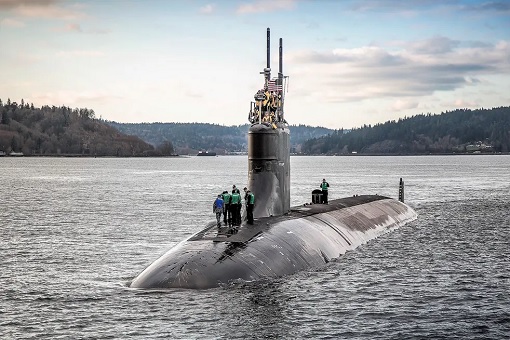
(459, 131)
(62, 131)
(65, 131)
(189, 138)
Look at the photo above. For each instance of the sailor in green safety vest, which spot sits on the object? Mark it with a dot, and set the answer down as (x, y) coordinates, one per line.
(324, 186)
(249, 198)
(235, 206)
(227, 214)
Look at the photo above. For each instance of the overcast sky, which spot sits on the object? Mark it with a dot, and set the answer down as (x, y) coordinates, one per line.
(349, 62)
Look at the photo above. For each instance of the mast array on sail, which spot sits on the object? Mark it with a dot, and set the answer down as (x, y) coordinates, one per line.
(268, 105)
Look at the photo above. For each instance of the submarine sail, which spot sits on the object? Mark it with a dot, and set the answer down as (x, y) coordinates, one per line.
(269, 145)
(282, 240)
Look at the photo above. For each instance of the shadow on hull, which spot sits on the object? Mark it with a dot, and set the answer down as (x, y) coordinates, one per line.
(307, 237)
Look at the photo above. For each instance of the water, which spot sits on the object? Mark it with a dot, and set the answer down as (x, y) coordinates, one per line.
(75, 231)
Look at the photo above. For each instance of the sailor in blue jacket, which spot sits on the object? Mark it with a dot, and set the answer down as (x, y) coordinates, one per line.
(218, 206)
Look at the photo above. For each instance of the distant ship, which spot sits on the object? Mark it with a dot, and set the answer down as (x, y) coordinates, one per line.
(206, 153)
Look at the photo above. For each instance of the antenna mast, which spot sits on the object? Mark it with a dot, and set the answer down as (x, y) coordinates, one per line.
(267, 70)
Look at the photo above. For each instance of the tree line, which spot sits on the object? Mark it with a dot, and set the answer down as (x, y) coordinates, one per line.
(52, 130)
(458, 131)
(189, 138)
(61, 130)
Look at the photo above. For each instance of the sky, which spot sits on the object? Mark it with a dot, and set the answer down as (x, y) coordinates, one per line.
(349, 62)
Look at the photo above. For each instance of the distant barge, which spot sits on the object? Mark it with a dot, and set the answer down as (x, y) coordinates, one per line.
(206, 153)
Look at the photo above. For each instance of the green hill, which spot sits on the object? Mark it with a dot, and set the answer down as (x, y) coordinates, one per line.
(65, 131)
(62, 131)
(189, 138)
(459, 131)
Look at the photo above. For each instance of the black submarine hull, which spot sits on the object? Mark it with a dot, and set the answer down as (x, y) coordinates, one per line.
(307, 237)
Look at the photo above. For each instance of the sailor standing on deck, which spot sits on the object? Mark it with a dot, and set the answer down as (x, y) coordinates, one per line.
(249, 198)
(218, 209)
(227, 213)
(235, 206)
(324, 186)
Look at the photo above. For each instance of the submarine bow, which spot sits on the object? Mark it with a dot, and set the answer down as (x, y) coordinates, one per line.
(282, 240)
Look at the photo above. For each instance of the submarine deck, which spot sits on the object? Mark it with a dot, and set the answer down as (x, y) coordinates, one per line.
(247, 232)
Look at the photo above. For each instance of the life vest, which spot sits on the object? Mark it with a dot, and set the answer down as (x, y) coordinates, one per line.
(324, 186)
(251, 198)
(226, 198)
(236, 198)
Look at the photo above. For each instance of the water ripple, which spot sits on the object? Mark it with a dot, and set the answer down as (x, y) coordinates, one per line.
(75, 231)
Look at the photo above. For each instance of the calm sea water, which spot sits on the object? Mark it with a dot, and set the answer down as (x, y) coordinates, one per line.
(76, 231)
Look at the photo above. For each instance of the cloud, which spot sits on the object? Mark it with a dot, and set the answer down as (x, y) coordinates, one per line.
(99, 31)
(207, 9)
(26, 58)
(49, 9)
(71, 98)
(76, 28)
(71, 28)
(261, 6)
(400, 105)
(460, 103)
(79, 53)
(435, 45)
(9, 22)
(368, 55)
(474, 43)
(348, 75)
(10, 4)
(415, 7)
(391, 5)
(195, 94)
(471, 80)
(490, 6)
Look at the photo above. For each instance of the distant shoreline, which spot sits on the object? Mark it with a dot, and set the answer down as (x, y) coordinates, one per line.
(91, 156)
(300, 155)
(410, 154)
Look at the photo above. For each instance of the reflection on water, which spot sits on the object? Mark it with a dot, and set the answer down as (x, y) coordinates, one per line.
(75, 231)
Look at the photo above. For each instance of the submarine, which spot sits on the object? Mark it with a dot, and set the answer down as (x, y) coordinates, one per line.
(282, 240)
